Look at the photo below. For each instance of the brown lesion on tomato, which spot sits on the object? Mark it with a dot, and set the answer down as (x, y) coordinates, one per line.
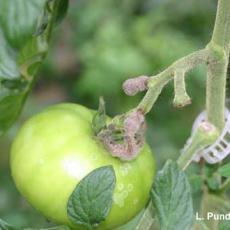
(124, 137)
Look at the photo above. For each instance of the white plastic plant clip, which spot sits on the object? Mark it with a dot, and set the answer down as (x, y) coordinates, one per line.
(220, 149)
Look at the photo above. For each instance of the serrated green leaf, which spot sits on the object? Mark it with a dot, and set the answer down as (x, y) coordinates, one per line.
(91, 200)
(171, 196)
(5, 226)
(18, 19)
(224, 170)
(21, 53)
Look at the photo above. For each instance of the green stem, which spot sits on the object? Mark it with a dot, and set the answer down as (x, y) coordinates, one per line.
(181, 97)
(157, 82)
(147, 220)
(225, 186)
(221, 32)
(203, 136)
(217, 67)
(215, 91)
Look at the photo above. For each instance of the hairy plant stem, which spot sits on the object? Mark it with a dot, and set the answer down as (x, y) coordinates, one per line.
(203, 136)
(217, 64)
(225, 186)
(217, 71)
(157, 82)
(147, 221)
(221, 32)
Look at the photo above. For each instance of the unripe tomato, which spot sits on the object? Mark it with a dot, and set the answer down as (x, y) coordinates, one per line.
(55, 149)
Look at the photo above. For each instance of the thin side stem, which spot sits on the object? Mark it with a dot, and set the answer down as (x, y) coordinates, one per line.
(203, 136)
(181, 97)
(157, 82)
(225, 186)
(147, 221)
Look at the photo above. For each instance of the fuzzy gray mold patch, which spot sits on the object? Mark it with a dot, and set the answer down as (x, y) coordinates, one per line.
(125, 138)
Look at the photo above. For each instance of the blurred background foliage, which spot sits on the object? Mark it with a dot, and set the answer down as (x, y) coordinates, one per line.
(98, 46)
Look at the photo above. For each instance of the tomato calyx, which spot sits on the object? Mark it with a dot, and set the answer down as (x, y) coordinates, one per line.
(99, 119)
(124, 136)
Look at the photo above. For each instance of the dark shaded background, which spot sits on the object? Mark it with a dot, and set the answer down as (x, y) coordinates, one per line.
(99, 45)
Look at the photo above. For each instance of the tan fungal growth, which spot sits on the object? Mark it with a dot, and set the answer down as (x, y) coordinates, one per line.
(134, 85)
(125, 139)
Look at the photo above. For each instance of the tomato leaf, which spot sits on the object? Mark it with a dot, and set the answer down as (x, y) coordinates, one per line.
(18, 19)
(5, 226)
(62, 10)
(92, 198)
(171, 196)
(21, 51)
(225, 170)
(58, 14)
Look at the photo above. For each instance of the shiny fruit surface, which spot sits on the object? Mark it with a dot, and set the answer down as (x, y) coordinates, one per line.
(56, 148)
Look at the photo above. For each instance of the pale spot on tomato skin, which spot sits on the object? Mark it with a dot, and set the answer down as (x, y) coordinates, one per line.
(135, 201)
(130, 187)
(122, 193)
(41, 162)
(121, 187)
(119, 198)
(73, 168)
(94, 157)
(125, 168)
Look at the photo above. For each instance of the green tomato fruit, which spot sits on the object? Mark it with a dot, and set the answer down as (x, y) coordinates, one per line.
(55, 149)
